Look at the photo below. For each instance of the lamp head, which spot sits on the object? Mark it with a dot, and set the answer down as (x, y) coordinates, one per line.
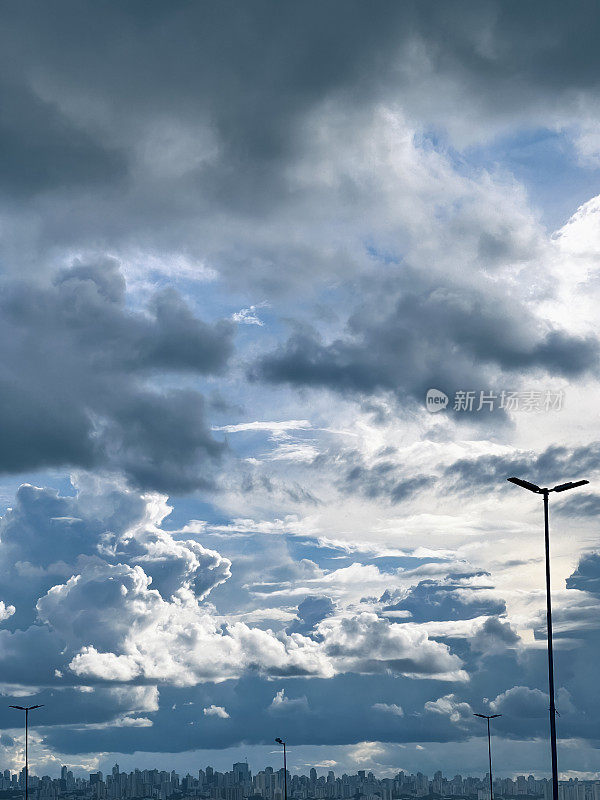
(563, 487)
(532, 487)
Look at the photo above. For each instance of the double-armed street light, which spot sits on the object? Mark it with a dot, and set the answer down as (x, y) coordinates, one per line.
(26, 709)
(280, 741)
(488, 717)
(562, 487)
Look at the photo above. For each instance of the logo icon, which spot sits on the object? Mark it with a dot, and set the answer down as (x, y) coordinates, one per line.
(435, 400)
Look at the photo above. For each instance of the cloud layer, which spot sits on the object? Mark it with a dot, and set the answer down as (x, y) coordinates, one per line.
(80, 384)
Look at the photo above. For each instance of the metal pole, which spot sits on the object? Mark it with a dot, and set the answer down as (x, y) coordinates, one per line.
(550, 654)
(284, 774)
(26, 709)
(562, 487)
(26, 753)
(490, 757)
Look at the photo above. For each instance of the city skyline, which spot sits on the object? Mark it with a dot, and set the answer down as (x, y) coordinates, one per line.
(241, 774)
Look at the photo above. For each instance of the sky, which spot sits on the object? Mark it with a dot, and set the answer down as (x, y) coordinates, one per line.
(241, 244)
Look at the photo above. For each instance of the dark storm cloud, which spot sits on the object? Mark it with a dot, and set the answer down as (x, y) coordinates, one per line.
(311, 611)
(587, 575)
(554, 465)
(68, 705)
(523, 702)
(436, 334)
(581, 505)
(40, 149)
(327, 717)
(385, 478)
(81, 101)
(255, 68)
(560, 58)
(450, 599)
(494, 633)
(252, 69)
(252, 482)
(577, 619)
(75, 386)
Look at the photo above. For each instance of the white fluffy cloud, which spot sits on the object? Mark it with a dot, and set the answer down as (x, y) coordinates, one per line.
(521, 701)
(368, 644)
(133, 605)
(6, 611)
(450, 706)
(141, 635)
(215, 711)
(283, 704)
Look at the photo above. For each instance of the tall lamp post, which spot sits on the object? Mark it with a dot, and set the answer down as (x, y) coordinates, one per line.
(488, 717)
(562, 487)
(26, 709)
(280, 741)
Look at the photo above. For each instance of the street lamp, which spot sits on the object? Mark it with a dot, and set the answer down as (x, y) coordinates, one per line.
(561, 487)
(26, 709)
(280, 741)
(488, 717)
